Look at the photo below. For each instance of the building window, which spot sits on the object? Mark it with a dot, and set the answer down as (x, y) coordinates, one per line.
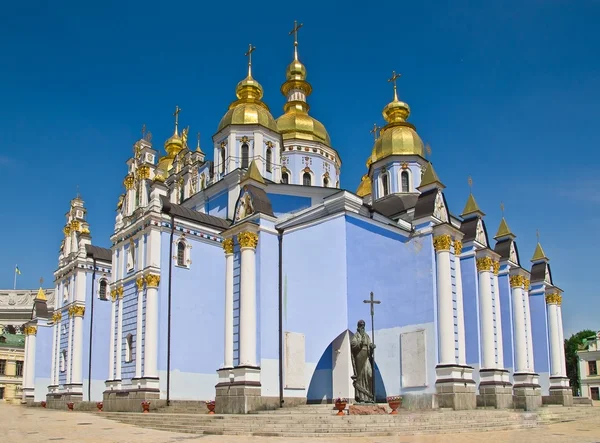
(222, 160)
(2, 367)
(180, 253)
(325, 182)
(285, 178)
(384, 185)
(63, 360)
(595, 393)
(592, 368)
(269, 160)
(129, 349)
(181, 193)
(102, 289)
(307, 179)
(19, 369)
(130, 256)
(245, 155)
(404, 180)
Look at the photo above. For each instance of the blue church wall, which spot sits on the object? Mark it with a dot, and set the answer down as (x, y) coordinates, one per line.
(43, 360)
(453, 276)
(471, 309)
(321, 384)
(129, 326)
(539, 332)
(286, 204)
(497, 318)
(64, 345)
(507, 320)
(217, 205)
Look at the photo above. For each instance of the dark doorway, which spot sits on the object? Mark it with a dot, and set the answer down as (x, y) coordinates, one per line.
(595, 393)
(1, 393)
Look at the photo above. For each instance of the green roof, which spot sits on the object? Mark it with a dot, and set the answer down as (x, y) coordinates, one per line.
(12, 340)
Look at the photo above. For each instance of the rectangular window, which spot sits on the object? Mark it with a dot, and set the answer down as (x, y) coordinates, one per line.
(592, 368)
(2, 367)
(595, 393)
(19, 369)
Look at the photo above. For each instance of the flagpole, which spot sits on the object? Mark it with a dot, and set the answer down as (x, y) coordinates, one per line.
(15, 282)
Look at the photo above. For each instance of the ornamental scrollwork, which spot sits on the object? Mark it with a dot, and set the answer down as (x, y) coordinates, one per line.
(113, 294)
(153, 280)
(442, 242)
(75, 225)
(77, 311)
(228, 245)
(248, 239)
(484, 264)
(554, 299)
(129, 182)
(67, 230)
(144, 172)
(457, 247)
(56, 317)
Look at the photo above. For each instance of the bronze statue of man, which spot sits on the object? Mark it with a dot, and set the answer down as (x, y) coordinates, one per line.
(362, 359)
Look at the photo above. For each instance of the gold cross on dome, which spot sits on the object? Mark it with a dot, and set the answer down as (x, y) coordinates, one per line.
(537, 234)
(295, 32)
(176, 115)
(470, 181)
(143, 130)
(41, 281)
(428, 150)
(248, 54)
(374, 130)
(393, 80)
(502, 208)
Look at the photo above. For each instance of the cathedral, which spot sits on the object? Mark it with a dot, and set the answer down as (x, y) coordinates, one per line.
(242, 279)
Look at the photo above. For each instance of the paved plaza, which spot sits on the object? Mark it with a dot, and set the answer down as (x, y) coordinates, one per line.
(18, 423)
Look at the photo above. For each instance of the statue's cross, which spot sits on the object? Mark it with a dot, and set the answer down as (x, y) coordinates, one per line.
(374, 131)
(295, 32)
(393, 80)
(248, 54)
(372, 302)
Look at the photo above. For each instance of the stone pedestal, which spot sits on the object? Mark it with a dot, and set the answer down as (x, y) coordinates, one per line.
(560, 392)
(527, 393)
(238, 390)
(455, 387)
(495, 389)
(117, 399)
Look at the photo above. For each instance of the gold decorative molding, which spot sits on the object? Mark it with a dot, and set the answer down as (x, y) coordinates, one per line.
(516, 281)
(484, 264)
(526, 284)
(248, 239)
(75, 225)
(153, 280)
(76, 311)
(554, 299)
(67, 230)
(228, 245)
(30, 330)
(457, 247)
(442, 242)
(56, 317)
(496, 266)
(129, 182)
(144, 172)
(140, 283)
(113, 294)
(120, 292)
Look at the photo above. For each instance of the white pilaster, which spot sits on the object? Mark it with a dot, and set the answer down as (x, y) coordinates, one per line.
(57, 333)
(139, 327)
(248, 242)
(69, 349)
(228, 247)
(486, 313)
(554, 336)
(563, 364)
(30, 363)
(77, 360)
(446, 353)
(26, 363)
(520, 339)
(113, 332)
(498, 317)
(529, 335)
(119, 333)
(151, 332)
(460, 313)
(53, 380)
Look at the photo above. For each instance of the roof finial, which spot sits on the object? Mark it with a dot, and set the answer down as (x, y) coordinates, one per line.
(176, 115)
(537, 234)
(502, 208)
(470, 181)
(428, 151)
(374, 130)
(77, 190)
(41, 281)
(248, 54)
(198, 145)
(143, 130)
(393, 80)
(295, 32)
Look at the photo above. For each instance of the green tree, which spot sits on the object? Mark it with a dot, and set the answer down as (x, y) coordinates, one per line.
(571, 345)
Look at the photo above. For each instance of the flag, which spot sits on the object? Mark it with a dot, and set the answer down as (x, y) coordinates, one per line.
(17, 270)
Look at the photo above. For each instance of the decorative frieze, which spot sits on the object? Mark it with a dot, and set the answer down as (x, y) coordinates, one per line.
(554, 299)
(442, 242)
(153, 280)
(228, 245)
(248, 239)
(516, 281)
(457, 247)
(484, 264)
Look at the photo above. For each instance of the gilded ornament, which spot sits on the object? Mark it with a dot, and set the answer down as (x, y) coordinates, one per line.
(67, 230)
(442, 242)
(113, 294)
(526, 284)
(129, 182)
(153, 280)
(484, 264)
(144, 172)
(56, 317)
(228, 245)
(248, 239)
(516, 281)
(30, 330)
(120, 291)
(76, 311)
(140, 283)
(75, 225)
(457, 247)
(553, 299)
(496, 267)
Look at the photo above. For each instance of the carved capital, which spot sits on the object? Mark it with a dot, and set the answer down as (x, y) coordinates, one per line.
(144, 172)
(484, 264)
(113, 294)
(554, 299)
(516, 281)
(75, 225)
(120, 292)
(77, 311)
(67, 230)
(457, 247)
(140, 283)
(526, 284)
(228, 245)
(248, 239)
(56, 317)
(129, 182)
(153, 280)
(496, 266)
(442, 242)
(30, 330)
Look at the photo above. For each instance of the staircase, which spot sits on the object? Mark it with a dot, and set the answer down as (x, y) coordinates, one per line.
(321, 421)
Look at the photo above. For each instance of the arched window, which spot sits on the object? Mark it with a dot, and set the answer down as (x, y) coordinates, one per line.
(102, 289)
(269, 161)
(245, 155)
(325, 182)
(222, 160)
(285, 178)
(129, 349)
(180, 253)
(63, 360)
(404, 180)
(307, 179)
(384, 185)
(131, 256)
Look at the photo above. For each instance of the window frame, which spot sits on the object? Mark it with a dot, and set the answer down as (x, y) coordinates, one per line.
(595, 366)
(3, 366)
(405, 173)
(384, 179)
(63, 360)
(223, 159)
(181, 249)
(269, 159)
(129, 348)
(103, 282)
(245, 156)
(287, 176)
(306, 174)
(19, 364)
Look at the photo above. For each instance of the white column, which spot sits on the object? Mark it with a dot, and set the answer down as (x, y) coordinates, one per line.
(139, 327)
(111, 344)
(498, 317)
(554, 335)
(26, 363)
(520, 340)
(228, 247)
(31, 336)
(460, 312)
(53, 380)
(486, 314)
(119, 341)
(445, 309)
(151, 332)
(563, 363)
(57, 333)
(529, 332)
(77, 360)
(248, 242)
(69, 349)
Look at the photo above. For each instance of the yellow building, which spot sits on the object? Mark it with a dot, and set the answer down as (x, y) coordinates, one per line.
(12, 354)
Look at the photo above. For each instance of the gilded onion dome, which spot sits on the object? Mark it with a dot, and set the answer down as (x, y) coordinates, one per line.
(173, 146)
(397, 137)
(248, 109)
(295, 123)
(365, 186)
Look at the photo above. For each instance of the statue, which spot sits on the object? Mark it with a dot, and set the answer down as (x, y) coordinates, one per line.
(246, 209)
(184, 135)
(362, 363)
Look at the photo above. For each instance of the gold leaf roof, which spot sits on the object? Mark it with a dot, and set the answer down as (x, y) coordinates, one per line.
(253, 174)
(41, 295)
(365, 186)
(503, 230)
(539, 253)
(471, 207)
(429, 177)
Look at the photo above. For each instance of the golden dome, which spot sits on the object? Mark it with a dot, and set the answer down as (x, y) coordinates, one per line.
(365, 186)
(248, 109)
(173, 146)
(296, 123)
(296, 71)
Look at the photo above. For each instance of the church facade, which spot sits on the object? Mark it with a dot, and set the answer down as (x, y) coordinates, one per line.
(242, 279)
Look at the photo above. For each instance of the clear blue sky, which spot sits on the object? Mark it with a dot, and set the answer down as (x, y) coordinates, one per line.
(507, 93)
